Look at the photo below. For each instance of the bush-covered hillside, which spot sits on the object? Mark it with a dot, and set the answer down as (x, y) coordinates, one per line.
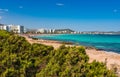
(18, 58)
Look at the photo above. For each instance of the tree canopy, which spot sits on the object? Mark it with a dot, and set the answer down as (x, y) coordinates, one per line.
(19, 58)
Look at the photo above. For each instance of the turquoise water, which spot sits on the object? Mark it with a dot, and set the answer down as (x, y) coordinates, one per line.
(103, 42)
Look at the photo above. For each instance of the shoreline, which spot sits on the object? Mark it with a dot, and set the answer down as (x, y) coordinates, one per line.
(75, 44)
(112, 59)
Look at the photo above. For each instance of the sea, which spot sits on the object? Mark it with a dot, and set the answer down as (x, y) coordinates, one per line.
(110, 43)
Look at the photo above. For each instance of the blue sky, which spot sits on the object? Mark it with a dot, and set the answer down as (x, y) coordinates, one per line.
(79, 15)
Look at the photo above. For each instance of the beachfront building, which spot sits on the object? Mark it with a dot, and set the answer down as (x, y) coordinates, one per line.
(42, 31)
(50, 31)
(16, 28)
(4, 27)
(31, 31)
(63, 31)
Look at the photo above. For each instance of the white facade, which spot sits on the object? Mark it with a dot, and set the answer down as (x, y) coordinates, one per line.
(3, 27)
(41, 30)
(51, 31)
(16, 28)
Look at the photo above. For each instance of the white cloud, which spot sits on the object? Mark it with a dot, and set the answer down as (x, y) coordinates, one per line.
(59, 4)
(6, 10)
(115, 10)
(20, 7)
(3, 10)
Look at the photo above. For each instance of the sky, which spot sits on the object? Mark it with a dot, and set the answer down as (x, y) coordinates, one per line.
(79, 15)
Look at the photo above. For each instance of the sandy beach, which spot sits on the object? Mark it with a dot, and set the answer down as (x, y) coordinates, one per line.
(112, 59)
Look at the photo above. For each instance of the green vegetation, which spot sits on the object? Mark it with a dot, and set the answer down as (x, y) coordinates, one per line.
(18, 58)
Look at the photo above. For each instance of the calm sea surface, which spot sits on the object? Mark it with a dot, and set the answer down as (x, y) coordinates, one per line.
(104, 42)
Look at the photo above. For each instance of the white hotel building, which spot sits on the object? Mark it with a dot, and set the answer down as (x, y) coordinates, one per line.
(4, 27)
(16, 28)
(12, 28)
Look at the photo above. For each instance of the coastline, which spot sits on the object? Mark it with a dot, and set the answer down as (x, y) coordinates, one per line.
(112, 59)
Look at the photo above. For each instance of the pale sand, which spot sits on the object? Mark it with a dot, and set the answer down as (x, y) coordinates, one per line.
(112, 59)
(101, 56)
(55, 44)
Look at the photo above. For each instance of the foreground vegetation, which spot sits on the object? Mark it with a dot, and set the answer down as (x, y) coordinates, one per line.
(18, 58)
